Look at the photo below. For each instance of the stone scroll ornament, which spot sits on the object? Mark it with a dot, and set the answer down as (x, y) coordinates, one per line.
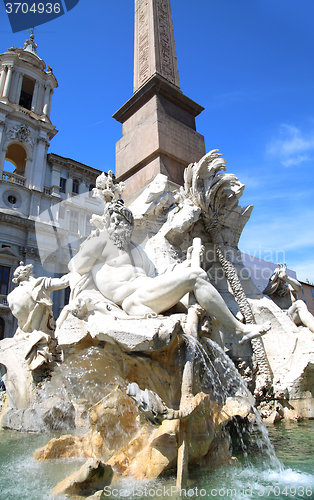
(23, 15)
(217, 193)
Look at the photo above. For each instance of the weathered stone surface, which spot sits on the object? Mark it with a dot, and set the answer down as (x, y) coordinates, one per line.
(91, 477)
(99, 495)
(273, 418)
(219, 451)
(18, 379)
(115, 418)
(113, 422)
(90, 445)
(290, 352)
(149, 453)
(56, 448)
(135, 334)
(40, 419)
(72, 333)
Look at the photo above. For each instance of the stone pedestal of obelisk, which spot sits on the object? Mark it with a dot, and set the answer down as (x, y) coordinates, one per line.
(159, 132)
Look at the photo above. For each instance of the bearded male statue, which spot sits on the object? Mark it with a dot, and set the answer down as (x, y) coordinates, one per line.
(111, 273)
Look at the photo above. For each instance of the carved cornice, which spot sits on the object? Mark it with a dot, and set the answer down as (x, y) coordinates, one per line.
(73, 166)
(15, 220)
(157, 85)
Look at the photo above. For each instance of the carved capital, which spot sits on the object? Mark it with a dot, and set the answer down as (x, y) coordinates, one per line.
(32, 252)
(42, 140)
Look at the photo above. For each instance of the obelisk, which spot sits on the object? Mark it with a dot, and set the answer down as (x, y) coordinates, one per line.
(159, 133)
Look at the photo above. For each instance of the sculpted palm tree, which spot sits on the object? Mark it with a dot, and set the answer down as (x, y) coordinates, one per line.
(217, 193)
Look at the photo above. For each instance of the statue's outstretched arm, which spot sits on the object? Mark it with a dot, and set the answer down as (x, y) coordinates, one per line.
(297, 287)
(59, 283)
(88, 254)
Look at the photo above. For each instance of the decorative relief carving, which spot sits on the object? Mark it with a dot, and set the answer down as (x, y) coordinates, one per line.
(28, 251)
(21, 133)
(43, 141)
(32, 253)
(143, 42)
(166, 56)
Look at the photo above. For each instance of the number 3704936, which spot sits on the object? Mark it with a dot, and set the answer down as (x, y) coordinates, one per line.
(41, 8)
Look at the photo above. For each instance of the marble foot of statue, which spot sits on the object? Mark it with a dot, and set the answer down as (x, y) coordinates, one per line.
(254, 331)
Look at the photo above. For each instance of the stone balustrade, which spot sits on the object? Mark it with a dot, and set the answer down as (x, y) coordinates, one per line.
(3, 301)
(15, 178)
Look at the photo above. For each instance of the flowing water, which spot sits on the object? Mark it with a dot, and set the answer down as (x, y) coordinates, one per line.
(258, 472)
(22, 478)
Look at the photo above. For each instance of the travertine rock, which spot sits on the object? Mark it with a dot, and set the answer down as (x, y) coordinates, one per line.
(91, 477)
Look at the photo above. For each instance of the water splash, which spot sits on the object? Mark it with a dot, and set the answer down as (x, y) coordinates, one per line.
(219, 375)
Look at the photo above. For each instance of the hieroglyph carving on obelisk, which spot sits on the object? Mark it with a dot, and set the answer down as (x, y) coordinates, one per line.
(154, 46)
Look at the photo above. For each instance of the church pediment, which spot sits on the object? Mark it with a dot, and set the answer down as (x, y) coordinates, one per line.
(8, 252)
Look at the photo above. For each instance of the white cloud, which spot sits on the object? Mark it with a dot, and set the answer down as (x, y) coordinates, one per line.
(291, 145)
(295, 161)
(288, 233)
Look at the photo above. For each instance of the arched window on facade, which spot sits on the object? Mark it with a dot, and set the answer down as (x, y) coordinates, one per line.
(16, 157)
(91, 187)
(27, 92)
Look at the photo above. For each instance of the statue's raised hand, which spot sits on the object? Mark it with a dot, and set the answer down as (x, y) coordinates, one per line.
(282, 271)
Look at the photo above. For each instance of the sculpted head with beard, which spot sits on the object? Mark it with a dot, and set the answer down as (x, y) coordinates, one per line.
(119, 222)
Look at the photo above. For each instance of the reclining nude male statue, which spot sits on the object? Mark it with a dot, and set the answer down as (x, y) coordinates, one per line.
(109, 266)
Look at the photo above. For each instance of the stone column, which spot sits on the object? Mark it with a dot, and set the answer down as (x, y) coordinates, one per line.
(46, 101)
(7, 84)
(82, 188)
(40, 163)
(35, 95)
(50, 100)
(2, 157)
(55, 180)
(18, 87)
(2, 78)
(28, 172)
(69, 185)
(40, 98)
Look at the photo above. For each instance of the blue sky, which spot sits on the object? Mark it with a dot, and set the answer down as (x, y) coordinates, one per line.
(248, 62)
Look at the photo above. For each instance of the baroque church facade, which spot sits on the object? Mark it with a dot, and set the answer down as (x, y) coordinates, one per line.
(45, 200)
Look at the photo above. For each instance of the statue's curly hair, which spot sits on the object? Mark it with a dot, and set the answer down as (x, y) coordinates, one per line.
(22, 272)
(119, 208)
